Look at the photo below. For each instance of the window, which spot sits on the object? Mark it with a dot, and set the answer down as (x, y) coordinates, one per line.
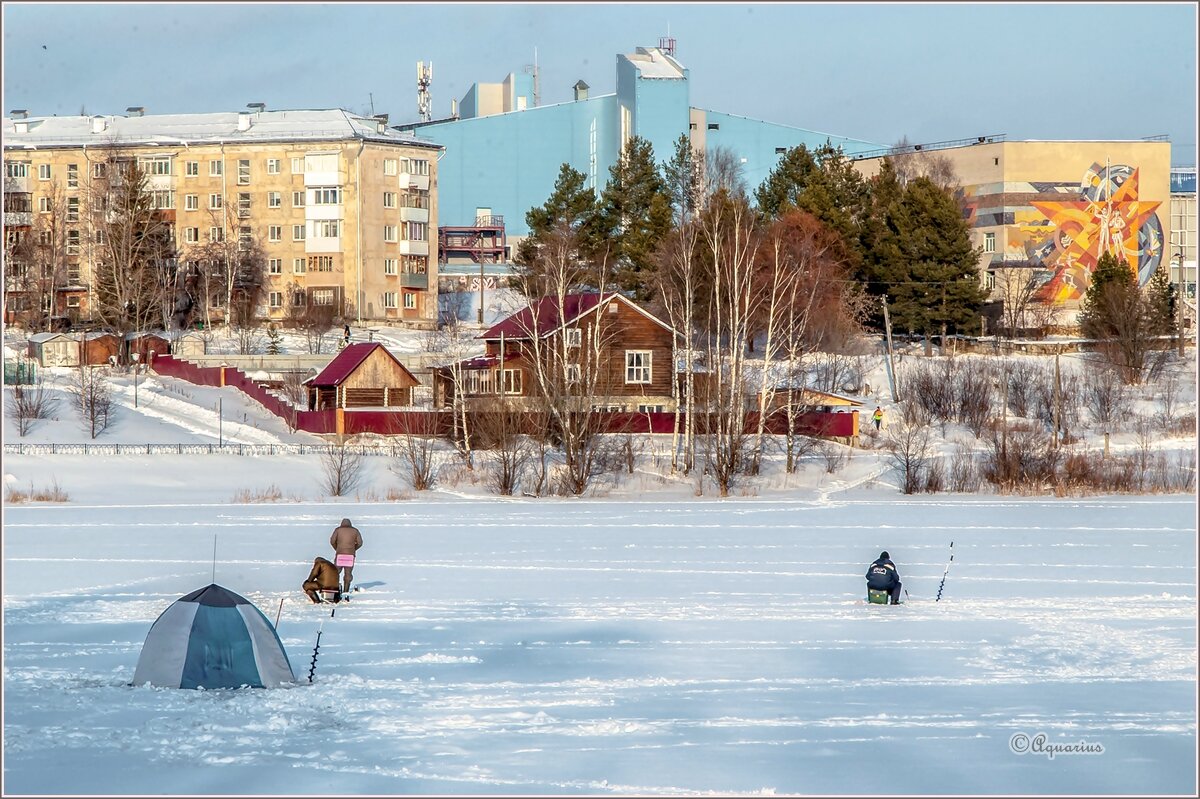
(72, 176)
(17, 204)
(415, 166)
(389, 199)
(299, 266)
(651, 409)
(780, 150)
(17, 169)
(73, 300)
(215, 168)
(245, 236)
(574, 336)
(417, 231)
(243, 172)
(72, 242)
(275, 266)
(272, 166)
(297, 199)
(298, 299)
(162, 199)
(45, 238)
(512, 381)
(98, 170)
(43, 171)
(389, 232)
(414, 264)
(320, 263)
(243, 204)
(389, 266)
(275, 299)
(322, 296)
(297, 232)
(45, 205)
(714, 126)
(72, 209)
(389, 299)
(155, 166)
(101, 238)
(326, 228)
(191, 235)
(274, 199)
(389, 166)
(573, 374)
(216, 234)
(414, 199)
(326, 195)
(215, 201)
(989, 280)
(297, 166)
(989, 242)
(275, 233)
(637, 366)
(191, 169)
(191, 202)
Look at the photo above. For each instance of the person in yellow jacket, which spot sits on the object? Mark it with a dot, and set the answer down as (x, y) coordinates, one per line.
(877, 417)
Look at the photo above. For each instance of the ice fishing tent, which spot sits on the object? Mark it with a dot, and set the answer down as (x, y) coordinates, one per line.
(213, 638)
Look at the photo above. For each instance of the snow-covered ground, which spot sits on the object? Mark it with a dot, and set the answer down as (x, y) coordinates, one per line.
(616, 647)
(647, 639)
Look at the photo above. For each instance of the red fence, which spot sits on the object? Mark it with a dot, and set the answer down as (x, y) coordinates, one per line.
(441, 423)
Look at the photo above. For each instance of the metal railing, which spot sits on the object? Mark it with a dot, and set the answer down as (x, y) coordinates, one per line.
(252, 450)
(937, 145)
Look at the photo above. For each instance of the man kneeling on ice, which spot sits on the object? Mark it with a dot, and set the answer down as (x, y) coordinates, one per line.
(323, 577)
(883, 577)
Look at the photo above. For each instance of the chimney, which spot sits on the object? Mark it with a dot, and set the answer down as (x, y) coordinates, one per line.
(581, 90)
(19, 113)
(381, 122)
(454, 109)
(135, 111)
(258, 108)
(243, 120)
(99, 124)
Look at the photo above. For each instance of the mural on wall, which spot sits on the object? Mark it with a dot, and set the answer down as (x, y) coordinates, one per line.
(1108, 216)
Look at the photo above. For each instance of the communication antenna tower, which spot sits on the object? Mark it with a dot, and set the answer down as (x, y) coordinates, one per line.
(667, 43)
(533, 70)
(424, 101)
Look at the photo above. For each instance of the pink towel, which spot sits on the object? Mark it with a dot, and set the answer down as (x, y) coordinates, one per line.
(344, 561)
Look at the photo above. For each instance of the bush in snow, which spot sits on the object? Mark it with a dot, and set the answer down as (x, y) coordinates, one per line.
(91, 395)
(910, 452)
(341, 467)
(27, 405)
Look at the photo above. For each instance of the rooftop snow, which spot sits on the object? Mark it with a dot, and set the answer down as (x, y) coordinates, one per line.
(174, 129)
(653, 63)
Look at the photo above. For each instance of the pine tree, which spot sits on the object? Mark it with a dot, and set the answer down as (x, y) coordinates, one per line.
(919, 254)
(1160, 294)
(571, 203)
(634, 214)
(1118, 317)
(274, 340)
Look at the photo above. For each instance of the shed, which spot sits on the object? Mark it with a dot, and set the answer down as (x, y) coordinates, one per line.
(97, 348)
(213, 638)
(144, 343)
(54, 349)
(364, 375)
(187, 343)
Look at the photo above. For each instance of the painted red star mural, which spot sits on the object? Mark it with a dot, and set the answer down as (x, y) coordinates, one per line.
(1086, 229)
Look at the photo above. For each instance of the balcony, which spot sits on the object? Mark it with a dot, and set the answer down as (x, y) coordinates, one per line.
(18, 219)
(414, 214)
(414, 181)
(414, 248)
(410, 281)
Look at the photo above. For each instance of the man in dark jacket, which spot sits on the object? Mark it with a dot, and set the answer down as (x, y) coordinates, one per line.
(882, 576)
(323, 577)
(346, 541)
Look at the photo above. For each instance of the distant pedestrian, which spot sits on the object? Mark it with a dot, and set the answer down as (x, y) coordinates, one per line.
(877, 417)
(346, 334)
(346, 541)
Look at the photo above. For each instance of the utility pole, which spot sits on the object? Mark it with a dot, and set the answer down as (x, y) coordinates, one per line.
(887, 325)
(1004, 423)
(1179, 335)
(1057, 395)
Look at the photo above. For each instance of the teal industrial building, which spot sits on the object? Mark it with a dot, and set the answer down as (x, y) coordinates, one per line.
(503, 151)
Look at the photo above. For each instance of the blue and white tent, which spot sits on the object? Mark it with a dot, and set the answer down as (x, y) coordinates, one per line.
(213, 638)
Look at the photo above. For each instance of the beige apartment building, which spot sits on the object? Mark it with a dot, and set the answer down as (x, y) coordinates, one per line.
(343, 207)
(1049, 209)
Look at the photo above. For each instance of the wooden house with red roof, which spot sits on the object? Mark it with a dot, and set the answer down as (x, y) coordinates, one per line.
(364, 375)
(621, 355)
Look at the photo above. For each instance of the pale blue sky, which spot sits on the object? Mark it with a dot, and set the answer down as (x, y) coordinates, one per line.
(930, 72)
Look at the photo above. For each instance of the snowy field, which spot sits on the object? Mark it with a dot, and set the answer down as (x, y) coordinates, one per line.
(618, 647)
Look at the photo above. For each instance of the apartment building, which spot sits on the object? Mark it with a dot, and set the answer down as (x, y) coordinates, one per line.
(343, 207)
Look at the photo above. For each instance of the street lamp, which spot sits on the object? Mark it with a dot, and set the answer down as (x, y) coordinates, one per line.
(136, 358)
